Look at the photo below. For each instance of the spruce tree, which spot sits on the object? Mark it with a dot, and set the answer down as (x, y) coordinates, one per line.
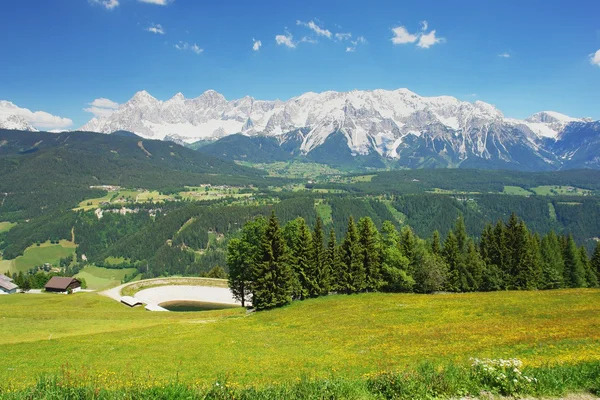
(474, 267)
(460, 231)
(553, 264)
(368, 239)
(303, 266)
(352, 279)
(452, 257)
(333, 262)
(574, 272)
(436, 245)
(590, 276)
(318, 258)
(393, 263)
(595, 263)
(272, 275)
(408, 247)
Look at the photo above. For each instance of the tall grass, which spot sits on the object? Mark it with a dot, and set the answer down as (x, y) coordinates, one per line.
(427, 381)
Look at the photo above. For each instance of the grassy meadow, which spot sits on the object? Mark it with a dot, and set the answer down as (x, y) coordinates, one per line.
(349, 336)
(98, 278)
(6, 226)
(38, 255)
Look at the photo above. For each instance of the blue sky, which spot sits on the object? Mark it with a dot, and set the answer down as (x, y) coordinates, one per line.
(60, 55)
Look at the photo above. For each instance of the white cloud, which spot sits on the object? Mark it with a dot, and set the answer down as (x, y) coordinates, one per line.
(308, 39)
(157, 2)
(355, 43)
(108, 4)
(196, 49)
(256, 45)
(504, 55)
(315, 28)
(595, 58)
(402, 36)
(427, 40)
(186, 46)
(39, 119)
(156, 28)
(102, 107)
(424, 40)
(285, 40)
(343, 36)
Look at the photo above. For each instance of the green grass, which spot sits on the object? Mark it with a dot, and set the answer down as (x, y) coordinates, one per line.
(400, 217)
(347, 335)
(6, 226)
(98, 278)
(324, 211)
(38, 255)
(560, 191)
(552, 211)
(516, 191)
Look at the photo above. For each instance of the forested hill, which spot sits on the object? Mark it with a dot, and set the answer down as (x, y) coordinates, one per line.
(42, 171)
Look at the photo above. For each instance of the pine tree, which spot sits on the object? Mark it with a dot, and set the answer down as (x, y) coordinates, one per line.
(474, 267)
(318, 258)
(452, 257)
(272, 275)
(553, 264)
(590, 276)
(242, 256)
(393, 263)
(595, 263)
(368, 239)
(333, 262)
(436, 244)
(460, 231)
(352, 279)
(303, 266)
(408, 247)
(574, 272)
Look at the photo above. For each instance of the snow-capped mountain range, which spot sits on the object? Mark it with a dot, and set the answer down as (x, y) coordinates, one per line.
(395, 124)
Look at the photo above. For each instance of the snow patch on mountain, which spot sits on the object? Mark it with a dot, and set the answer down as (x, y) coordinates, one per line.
(376, 120)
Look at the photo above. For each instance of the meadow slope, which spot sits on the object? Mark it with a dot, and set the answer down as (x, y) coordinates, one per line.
(346, 335)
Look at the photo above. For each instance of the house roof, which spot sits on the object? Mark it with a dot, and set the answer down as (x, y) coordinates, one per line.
(5, 278)
(60, 282)
(7, 285)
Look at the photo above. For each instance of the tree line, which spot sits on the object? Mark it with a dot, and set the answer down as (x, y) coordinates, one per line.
(271, 265)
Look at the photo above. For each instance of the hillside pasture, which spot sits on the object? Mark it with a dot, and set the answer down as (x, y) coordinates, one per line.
(516, 191)
(38, 255)
(98, 278)
(549, 190)
(348, 336)
(6, 226)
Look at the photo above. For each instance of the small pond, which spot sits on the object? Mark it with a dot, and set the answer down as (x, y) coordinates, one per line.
(185, 305)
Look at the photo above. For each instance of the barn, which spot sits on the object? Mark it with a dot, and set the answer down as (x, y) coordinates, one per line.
(7, 286)
(62, 284)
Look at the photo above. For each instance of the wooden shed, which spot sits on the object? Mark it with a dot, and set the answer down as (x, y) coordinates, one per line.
(62, 284)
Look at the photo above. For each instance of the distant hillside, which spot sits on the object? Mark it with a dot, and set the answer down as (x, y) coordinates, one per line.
(42, 171)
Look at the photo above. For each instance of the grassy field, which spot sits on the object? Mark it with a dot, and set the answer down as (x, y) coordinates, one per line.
(98, 278)
(560, 191)
(516, 191)
(347, 335)
(6, 226)
(38, 255)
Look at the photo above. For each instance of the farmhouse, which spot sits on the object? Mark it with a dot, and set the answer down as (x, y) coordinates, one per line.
(7, 286)
(61, 284)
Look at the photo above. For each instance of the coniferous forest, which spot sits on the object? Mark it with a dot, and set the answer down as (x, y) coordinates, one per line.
(272, 265)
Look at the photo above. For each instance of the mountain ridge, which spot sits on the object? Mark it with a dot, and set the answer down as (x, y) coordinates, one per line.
(396, 125)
